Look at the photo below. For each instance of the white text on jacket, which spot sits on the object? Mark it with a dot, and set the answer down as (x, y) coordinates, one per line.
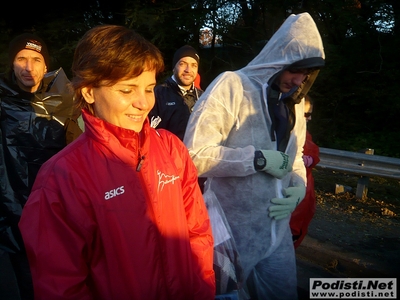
(115, 192)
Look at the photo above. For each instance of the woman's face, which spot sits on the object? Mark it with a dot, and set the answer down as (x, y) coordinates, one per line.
(125, 104)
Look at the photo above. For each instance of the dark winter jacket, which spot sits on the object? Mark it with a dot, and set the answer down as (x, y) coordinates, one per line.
(32, 130)
(173, 107)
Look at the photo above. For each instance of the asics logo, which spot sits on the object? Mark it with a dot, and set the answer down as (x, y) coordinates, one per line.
(170, 103)
(164, 179)
(115, 192)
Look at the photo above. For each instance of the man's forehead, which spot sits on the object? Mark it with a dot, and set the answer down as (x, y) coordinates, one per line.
(29, 53)
(188, 59)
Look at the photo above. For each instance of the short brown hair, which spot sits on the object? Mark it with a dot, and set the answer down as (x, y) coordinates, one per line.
(109, 53)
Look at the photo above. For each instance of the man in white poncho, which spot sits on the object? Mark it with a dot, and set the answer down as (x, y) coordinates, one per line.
(246, 135)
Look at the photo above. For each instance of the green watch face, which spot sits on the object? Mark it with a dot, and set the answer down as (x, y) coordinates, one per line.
(261, 162)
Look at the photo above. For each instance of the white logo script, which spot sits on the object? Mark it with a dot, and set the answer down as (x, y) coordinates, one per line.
(164, 179)
(33, 46)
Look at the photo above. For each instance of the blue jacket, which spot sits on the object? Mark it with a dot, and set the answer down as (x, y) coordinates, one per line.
(172, 107)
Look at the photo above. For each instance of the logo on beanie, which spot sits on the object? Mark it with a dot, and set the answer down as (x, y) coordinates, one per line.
(33, 45)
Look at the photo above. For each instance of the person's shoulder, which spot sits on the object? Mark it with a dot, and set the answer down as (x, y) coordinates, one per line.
(228, 76)
(6, 88)
(172, 143)
(164, 133)
(164, 91)
(160, 87)
(226, 79)
(70, 160)
(168, 137)
(69, 154)
(3, 84)
(166, 84)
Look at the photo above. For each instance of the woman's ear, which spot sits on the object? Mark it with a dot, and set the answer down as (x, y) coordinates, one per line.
(87, 94)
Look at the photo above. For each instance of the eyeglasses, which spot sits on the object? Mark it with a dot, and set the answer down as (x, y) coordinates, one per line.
(307, 115)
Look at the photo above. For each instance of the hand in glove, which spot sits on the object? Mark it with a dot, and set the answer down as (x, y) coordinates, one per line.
(278, 163)
(285, 206)
(308, 160)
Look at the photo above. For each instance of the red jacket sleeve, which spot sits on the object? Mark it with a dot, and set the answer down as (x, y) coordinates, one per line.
(199, 225)
(311, 149)
(52, 242)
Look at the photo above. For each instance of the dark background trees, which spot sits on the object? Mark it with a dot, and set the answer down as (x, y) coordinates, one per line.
(356, 100)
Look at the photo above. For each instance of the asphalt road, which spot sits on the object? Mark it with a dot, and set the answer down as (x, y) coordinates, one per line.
(314, 260)
(305, 270)
(317, 259)
(308, 269)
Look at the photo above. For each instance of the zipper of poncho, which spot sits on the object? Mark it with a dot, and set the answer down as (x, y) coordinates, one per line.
(141, 157)
(273, 222)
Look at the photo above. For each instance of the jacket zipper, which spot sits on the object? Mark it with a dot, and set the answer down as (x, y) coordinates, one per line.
(141, 160)
(141, 157)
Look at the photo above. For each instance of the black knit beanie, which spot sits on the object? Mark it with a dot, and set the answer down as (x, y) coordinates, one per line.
(28, 41)
(183, 52)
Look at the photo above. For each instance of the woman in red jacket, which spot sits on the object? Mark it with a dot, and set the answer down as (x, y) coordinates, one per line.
(118, 214)
(304, 212)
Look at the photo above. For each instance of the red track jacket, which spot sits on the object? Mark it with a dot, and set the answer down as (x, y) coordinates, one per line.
(97, 228)
(304, 212)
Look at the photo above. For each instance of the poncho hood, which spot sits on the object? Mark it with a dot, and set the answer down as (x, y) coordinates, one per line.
(297, 39)
(297, 44)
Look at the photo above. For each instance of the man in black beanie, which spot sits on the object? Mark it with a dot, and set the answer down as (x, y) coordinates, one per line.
(35, 108)
(176, 96)
(29, 61)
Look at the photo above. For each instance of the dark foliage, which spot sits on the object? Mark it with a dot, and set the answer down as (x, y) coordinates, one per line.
(355, 95)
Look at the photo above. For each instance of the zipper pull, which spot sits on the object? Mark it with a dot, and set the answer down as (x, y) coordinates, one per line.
(139, 166)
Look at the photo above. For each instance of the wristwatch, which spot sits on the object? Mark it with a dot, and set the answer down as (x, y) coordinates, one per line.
(259, 160)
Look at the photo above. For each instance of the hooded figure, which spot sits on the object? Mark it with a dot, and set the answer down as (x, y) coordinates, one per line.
(246, 136)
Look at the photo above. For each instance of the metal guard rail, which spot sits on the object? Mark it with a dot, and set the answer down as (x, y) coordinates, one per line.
(359, 163)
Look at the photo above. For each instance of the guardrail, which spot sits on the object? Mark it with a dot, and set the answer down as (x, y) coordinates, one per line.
(361, 164)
